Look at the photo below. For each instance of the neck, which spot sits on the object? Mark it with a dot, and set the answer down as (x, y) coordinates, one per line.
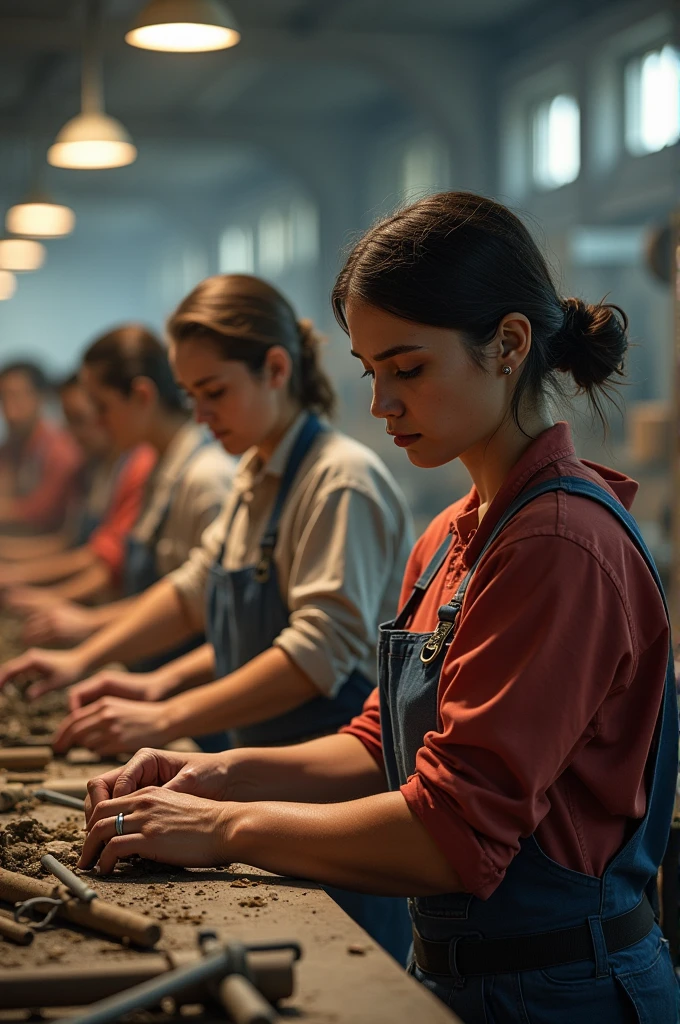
(266, 448)
(490, 461)
(165, 431)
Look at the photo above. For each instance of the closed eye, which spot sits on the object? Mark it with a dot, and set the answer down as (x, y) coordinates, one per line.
(367, 373)
(407, 374)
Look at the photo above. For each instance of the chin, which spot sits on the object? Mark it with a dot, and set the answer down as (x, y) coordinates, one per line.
(429, 460)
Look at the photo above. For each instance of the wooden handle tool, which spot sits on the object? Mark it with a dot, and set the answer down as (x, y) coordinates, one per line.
(100, 916)
(14, 932)
(25, 758)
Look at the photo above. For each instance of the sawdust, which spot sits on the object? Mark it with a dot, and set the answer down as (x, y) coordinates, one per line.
(27, 722)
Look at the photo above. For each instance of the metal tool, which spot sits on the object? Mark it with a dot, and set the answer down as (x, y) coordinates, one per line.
(80, 889)
(50, 796)
(222, 962)
(51, 905)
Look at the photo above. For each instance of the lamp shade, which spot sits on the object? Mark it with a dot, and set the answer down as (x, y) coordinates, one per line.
(39, 217)
(92, 141)
(21, 254)
(184, 26)
(8, 284)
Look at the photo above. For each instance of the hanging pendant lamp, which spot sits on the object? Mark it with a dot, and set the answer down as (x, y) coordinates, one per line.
(92, 140)
(184, 26)
(21, 254)
(39, 217)
(8, 285)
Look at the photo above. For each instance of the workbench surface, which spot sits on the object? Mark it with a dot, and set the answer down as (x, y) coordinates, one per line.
(342, 977)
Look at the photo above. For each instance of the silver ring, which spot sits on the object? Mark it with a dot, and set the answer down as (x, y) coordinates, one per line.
(119, 824)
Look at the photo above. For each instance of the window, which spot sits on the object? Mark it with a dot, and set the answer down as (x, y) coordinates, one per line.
(652, 89)
(236, 255)
(304, 231)
(424, 165)
(556, 142)
(273, 242)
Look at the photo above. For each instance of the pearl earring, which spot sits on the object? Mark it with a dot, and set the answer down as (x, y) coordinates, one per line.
(507, 370)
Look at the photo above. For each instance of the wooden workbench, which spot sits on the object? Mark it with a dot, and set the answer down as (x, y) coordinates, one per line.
(343, 976)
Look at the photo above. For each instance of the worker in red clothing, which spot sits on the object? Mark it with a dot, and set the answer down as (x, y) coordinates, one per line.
(514, 773)
(39, 461)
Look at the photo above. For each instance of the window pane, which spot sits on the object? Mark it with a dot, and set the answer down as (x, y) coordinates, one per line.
(424, 165)
(273, 242)
(653, 101)
(304, 231)
(236, 252)
(557, 142)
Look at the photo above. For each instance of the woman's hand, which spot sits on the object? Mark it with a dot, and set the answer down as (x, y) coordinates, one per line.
(114, 725)
(63, 624)
(148, 686)
(176, 828)
(57, 670)
(204, 775)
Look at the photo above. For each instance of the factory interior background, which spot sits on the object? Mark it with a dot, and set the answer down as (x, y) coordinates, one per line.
(270, 157)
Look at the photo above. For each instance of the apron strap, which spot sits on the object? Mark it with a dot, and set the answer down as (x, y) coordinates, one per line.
(448, 613)
(304, 441)
(422, 583)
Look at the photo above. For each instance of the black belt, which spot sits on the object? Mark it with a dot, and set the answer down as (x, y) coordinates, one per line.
(532, 952)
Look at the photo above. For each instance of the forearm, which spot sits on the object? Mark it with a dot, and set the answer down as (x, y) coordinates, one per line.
(325, 770)
(104, 614)
(86, 585)
(48, 569)
(375, 844)
(193, 669)
(155, 622)
(19, 549)
(267, 686)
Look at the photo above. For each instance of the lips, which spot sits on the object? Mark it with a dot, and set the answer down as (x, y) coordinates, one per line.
(404, 440)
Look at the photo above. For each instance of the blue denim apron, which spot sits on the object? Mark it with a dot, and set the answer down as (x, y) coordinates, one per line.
(141, 572)
(537, 895)
(245, 613)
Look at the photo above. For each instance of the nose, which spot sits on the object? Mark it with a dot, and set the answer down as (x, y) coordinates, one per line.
(385, 403)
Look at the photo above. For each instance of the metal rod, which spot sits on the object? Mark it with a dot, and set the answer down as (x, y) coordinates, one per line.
(80, 889)
(50, 796)
(150, 993)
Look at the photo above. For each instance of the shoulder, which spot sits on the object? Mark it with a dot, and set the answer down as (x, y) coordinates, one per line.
(337, 461)
(210, 466)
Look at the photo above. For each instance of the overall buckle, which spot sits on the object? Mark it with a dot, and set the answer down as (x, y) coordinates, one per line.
(432, 647)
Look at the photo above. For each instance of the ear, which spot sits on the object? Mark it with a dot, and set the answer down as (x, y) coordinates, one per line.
(512, 343)
(278, 367)
(144, 391)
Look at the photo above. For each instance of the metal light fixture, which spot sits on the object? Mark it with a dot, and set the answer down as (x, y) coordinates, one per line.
(38, 217)
(8, 284)
(92, 140)
(21, 254)
(184, 26)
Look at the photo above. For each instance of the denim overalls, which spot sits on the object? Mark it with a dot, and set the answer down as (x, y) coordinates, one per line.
(244, 615)
(141, 572)
(550, 945)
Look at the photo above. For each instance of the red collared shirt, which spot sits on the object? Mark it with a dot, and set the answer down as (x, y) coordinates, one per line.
(43, 472)
(549, 693)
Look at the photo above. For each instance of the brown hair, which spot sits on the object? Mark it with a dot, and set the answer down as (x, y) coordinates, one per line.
(130, 351)
(460, 261)
(245, 317)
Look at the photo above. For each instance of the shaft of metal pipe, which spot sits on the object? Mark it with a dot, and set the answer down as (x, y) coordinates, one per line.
(51, 796)
(80, 889)
(151, 992)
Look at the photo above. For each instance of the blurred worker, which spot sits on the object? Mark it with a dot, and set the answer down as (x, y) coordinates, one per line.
(290, 583)
(95, 480)
(39, 461)
(127, 375)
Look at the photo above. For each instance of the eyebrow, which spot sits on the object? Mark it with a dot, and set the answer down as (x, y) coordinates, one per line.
(204, 380)
(397, 350)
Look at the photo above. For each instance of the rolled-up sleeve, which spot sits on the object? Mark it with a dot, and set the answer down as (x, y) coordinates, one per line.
(190, 579)
(338, 575)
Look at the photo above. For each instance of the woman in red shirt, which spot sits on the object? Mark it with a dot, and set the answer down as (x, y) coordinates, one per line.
(514, 775)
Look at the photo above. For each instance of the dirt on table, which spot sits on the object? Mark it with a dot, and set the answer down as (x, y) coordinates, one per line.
(25, 841)
(28, 722)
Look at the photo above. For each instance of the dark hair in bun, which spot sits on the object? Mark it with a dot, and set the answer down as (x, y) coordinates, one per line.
(462, 262)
